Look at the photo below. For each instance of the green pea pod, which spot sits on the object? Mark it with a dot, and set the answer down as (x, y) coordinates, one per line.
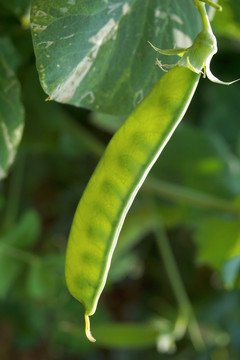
(125, 164)
(114, 184)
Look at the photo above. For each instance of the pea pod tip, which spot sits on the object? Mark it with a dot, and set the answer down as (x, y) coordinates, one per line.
(87, 329)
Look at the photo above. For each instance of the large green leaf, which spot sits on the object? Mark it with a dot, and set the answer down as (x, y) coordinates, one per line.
(11, 110)
(94, 53)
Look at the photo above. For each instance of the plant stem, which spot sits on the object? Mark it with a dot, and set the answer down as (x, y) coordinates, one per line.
(202, 11)
(189, 196)
(178, 288)
(14, 193)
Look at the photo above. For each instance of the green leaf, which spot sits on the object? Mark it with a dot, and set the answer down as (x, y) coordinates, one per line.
(9, 53)
(218, 240)
(43, 276)
(94, 54)
(24, 234)
(11, 115)
(12, 245)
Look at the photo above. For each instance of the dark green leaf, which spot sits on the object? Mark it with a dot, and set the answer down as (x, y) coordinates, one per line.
(9, 53)
(95, 54)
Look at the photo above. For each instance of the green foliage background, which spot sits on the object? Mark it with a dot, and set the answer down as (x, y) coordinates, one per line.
(159, 278)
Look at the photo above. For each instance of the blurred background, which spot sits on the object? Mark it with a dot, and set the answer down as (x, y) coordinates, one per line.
(173, 289)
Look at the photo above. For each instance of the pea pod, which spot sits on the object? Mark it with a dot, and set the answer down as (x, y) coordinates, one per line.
(124, 166)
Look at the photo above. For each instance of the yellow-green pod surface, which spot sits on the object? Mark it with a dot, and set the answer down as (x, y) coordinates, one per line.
(121, 171)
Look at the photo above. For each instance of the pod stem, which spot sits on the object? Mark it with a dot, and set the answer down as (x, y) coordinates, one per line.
(203, 13)
(178, 287)
(87, 329)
